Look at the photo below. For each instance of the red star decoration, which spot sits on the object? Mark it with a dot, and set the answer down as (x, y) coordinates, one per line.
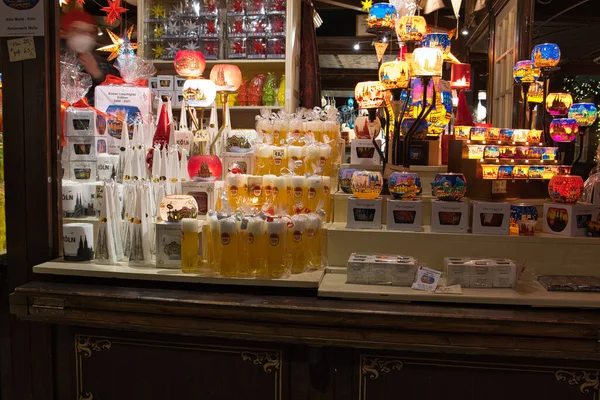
(211, 28)
(279, 5)
(278, 25)
(113, 11)
(260, 27)
(210, 48)
(211, 6)
(238, 48)
(258, 47)
(238, 26)
(257, 5)
(238, 6)
(278, 48)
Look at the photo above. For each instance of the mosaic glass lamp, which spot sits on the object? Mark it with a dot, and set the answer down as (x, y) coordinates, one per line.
(565, 188)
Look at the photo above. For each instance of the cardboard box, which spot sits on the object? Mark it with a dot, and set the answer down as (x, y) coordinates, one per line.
(205, 193)
(363, 152)
(168, 245)
(84, 122)
(107, 166)
(491, 218)
(178, 83)
(450, 216)
(86, 148)
(480, 272)
(178, 99)
(153, 83)
(165, 82)
(381, 269)
(244, 161)
(82, 171)
(166, 95)
(364, 213)
(567, 219)
(404, 215)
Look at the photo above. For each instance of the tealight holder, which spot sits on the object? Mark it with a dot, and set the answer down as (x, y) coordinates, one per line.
(506, 134)
(491, 152)
(490, 171)
(508, 151)
(526, 72)
(546, 55)
(505, 171)
(174, 208)
(492, 134)
(478, 133)
(449, 186)
(382, 15)
(394, 74)
(521, 172)
(523, 218)
(536, 172)
(584, 113)
(520, 135)
(411, 28)
(558, 104)
(563, 130)
(565, 188)
(476, 151)
(462, 132)
(404, 185)
(534, 136)
(345, 179)
(366, 184)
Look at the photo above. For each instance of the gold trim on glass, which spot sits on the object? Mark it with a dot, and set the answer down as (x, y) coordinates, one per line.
(373, 366)
(269, 361)
(584, 379)
(86, 345)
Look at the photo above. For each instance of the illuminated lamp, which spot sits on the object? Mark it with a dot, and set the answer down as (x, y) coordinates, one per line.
(558, 104)
(584, 113)
(565, 188)
(206, 168)
(382, 15)
(404, 185)
(366, 184)
(536, 93)
(199, 92)
(546, 55)
(563, 130)
(226, 77)
(189, 63)
(411, 28)
(461, 76)
(394, 74)
(526, 72)
(427, 62)
(449, 186)
(174, 208)
(437, 41)
(369, 94)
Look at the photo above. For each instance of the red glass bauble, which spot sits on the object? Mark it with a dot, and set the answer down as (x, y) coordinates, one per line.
(205, 168)
(189, 63)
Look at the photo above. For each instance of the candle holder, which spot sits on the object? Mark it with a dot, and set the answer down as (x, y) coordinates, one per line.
(546, 56)
(525, 73)
(585, 114)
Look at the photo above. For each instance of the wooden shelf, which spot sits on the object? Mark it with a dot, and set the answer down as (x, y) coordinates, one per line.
(239, 61)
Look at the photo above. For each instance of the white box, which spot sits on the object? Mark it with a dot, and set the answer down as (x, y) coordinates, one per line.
(122, 103)
(491, 218)
(153, 83)
(363, 152)
(205, 193)
(86, 148)
(403, 273)
(364, 213)
(166, 95)
(449, 216)
(404, 215)
(168, 245)
(245, 161)
(165, 82)
(567, 219)
(480, 272)
(178, 98)
(184, 140)
(82, 171)
(178, 83)
(107, 166)
(82, 122)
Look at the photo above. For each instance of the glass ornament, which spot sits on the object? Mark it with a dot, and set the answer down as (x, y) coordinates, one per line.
(449, 186)
(366, 184)
(584, 113)
(563, 130)
(206, 168)
(545, 55)
(404, 185)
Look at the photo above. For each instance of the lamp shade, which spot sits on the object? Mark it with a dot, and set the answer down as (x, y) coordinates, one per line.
(461, 76)
(367, 184)
(411, 28)
(449, 186)
(535, 93)
(394, 74)
(563, 129)
(526, 72)
(369, 94)
(558, 104)
(174, 208)
(226, 77)
(545, 55)
(199, 92)
(565, 188)
(189, 63)
(404, 185)
(427, 62)
(437, 41)
(382, 15)
(206, 168)
(584, 113)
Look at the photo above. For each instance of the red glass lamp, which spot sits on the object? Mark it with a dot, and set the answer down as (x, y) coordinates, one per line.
(189, 63)
(207, 168)
(461, 76)
(565, 188)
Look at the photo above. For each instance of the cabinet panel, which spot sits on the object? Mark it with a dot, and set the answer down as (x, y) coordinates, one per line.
(383, 377)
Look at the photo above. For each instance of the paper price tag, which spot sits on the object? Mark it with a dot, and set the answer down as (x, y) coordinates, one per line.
(21, 49)
(427, 279)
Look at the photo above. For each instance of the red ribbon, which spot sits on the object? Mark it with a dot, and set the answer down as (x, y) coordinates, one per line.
(115, 80)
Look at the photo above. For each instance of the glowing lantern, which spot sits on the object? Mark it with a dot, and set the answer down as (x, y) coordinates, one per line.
(584, 113)
(437, 41)
(462, 132)
(366, 184)
(563, 129)
(461, 76)
(394, 74)
(545, 55)
(369, 94)
(205, 168)
(427, 62)
(382, 15)
(226, 77)
(189, 63)
(490, 171)
(535, 93)
(565, 188)
(175, 207)
(558, 104)
(199, 92)
(526, 72)
(411, 28)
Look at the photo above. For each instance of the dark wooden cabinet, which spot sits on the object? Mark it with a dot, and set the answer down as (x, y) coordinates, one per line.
(119, 343)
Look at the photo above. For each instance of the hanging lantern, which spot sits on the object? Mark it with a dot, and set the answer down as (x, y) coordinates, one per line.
(206, 168)
(174, 208)
(199, 92)
(526, 72)
(535, 93)
(394, 74)
(584, 113)
(189, 63)
(437, 41)
(565, 188)
(226, 77)
(411, 28)
(369, 94)
(563, 130)
(427, 62)
(382, 15)
(545, 55)
(461, 76)
(558, 104)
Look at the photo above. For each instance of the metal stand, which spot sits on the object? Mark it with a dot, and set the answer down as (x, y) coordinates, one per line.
(421, 117)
